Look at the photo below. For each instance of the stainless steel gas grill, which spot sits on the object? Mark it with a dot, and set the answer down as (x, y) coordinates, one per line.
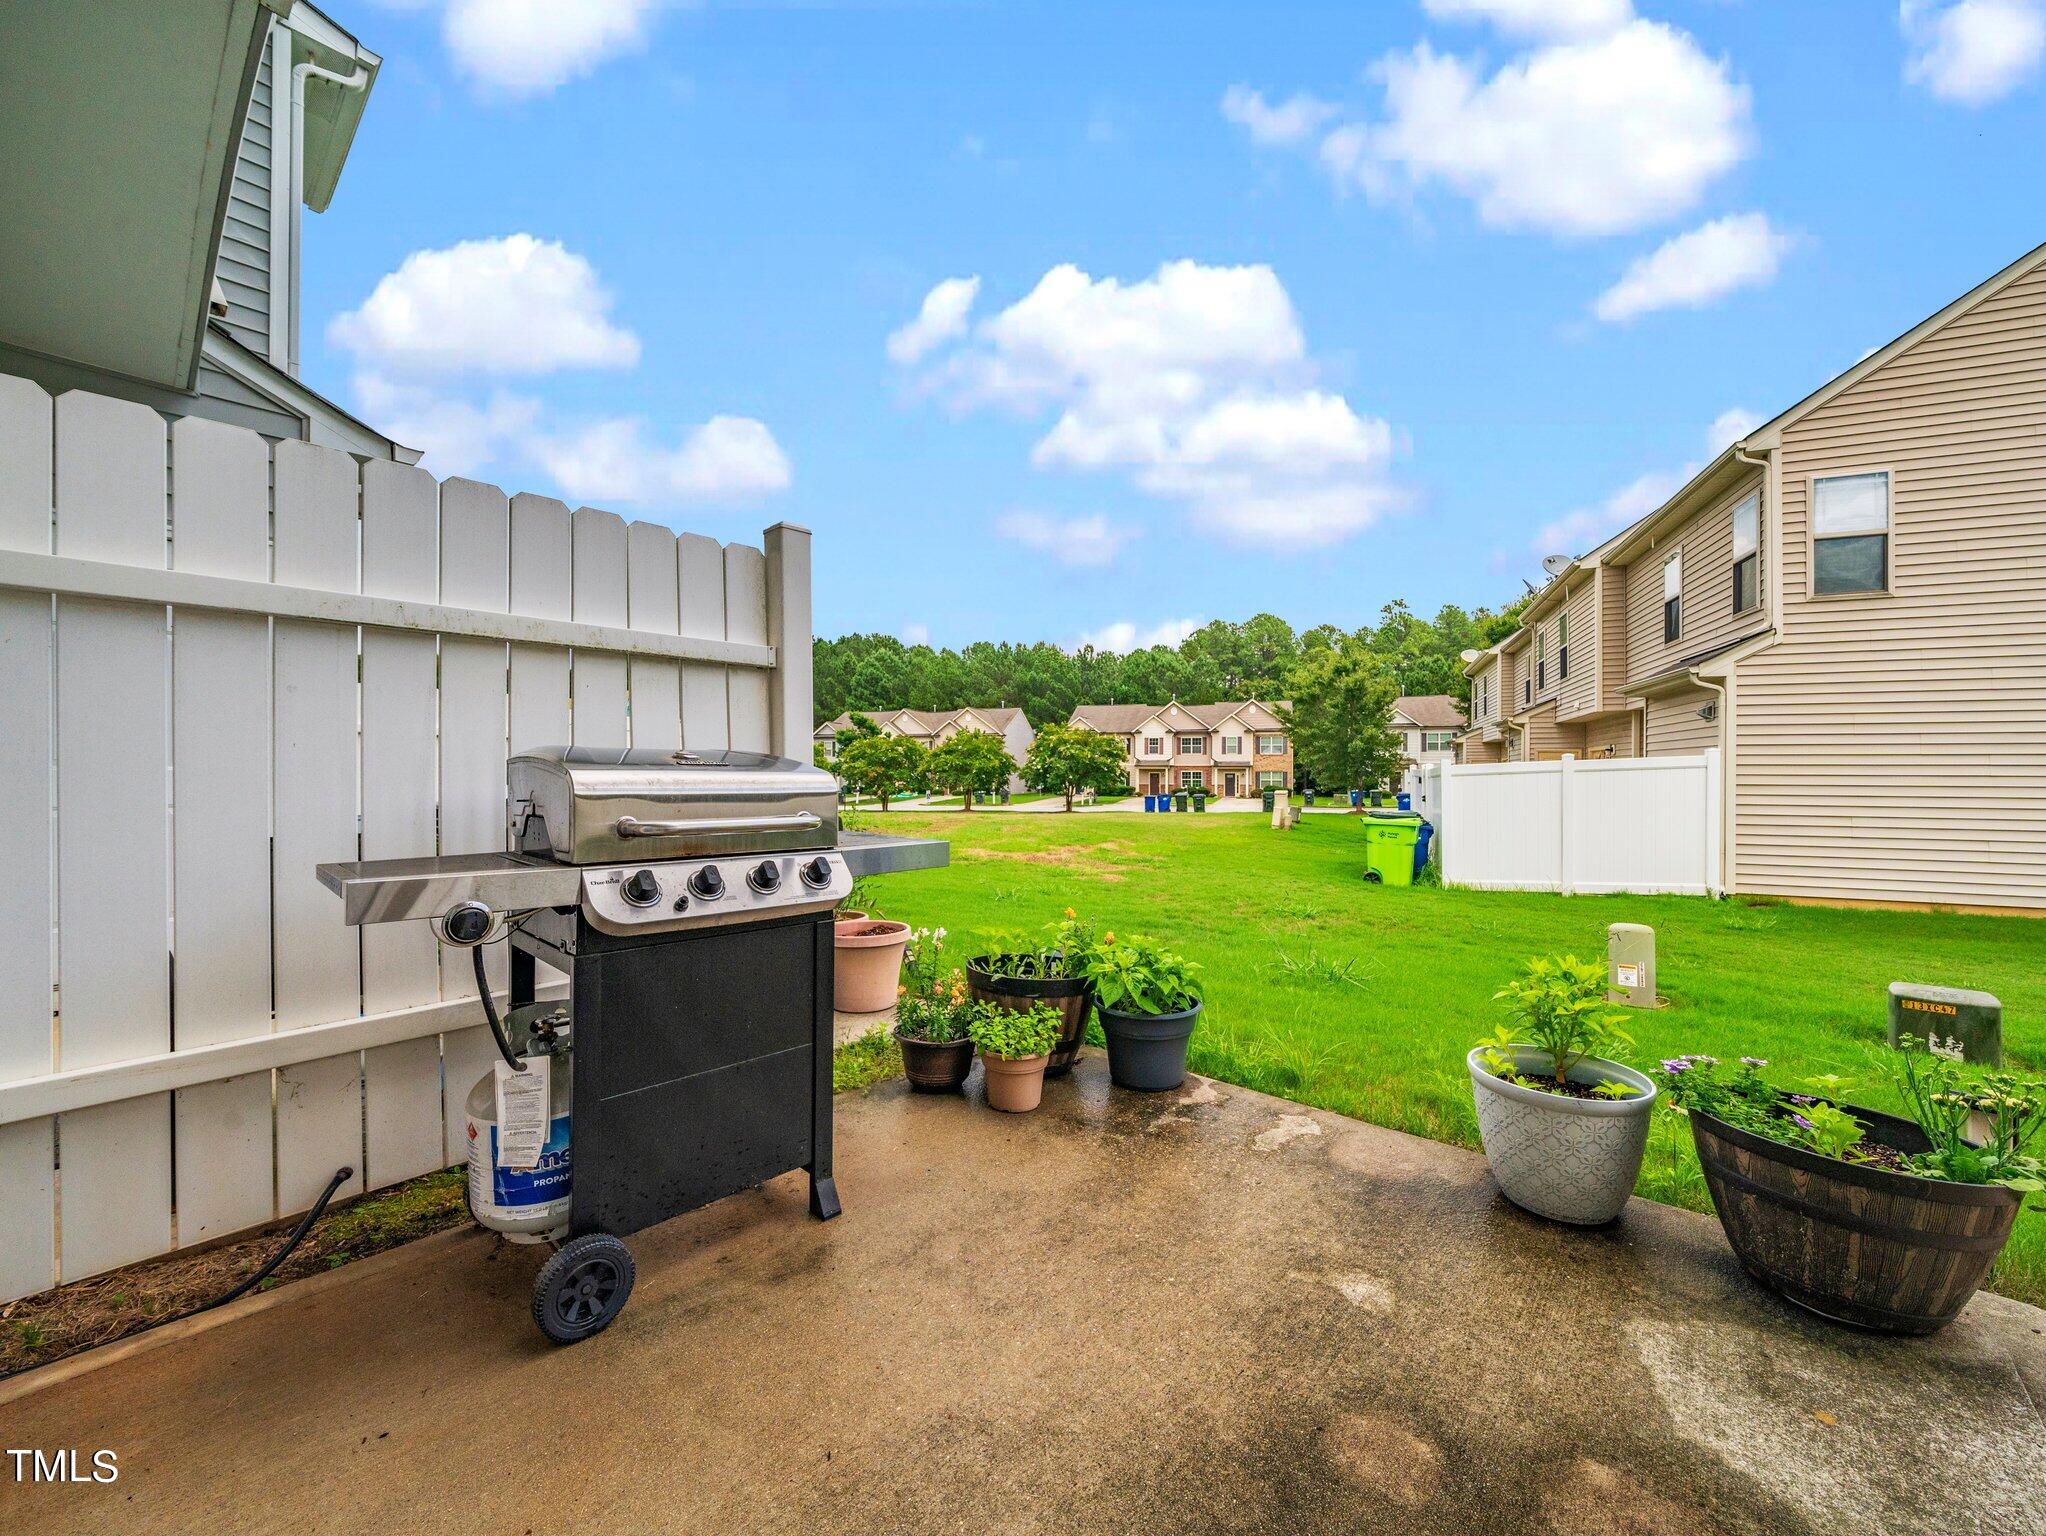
(688, 897)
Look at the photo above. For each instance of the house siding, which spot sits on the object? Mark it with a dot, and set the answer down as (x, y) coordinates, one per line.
(243, 264)
(1708, 619)
(1609, 735)
(1894, 745)
(1578, 693)
(1674, 727)
(1612, 636)
(1547, 738)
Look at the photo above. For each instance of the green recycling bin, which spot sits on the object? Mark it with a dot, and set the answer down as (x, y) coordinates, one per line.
(1389, 838)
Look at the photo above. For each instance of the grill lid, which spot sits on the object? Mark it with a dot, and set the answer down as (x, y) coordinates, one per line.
(615, 805)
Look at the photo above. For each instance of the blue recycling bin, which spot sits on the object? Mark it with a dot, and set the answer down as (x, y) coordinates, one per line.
(1421, 842)
(1404, 801)
(1355, 795)
(1150, 802)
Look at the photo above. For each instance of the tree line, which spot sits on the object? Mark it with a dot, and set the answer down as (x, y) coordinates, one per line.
(1257, 658)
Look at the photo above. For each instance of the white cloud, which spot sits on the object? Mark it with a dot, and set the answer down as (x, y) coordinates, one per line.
(915, 634)
(1195, 382)
(1975, 52)
(455, 436)
(1583, 529)
(1124, 636)
(526, 47)
(1293, 121)
(1080, 541)
(515, 304)
(1594, 136)
(941, 318)
(727, 460)
(1729, 427)
(1691, 270)
(1538, 18)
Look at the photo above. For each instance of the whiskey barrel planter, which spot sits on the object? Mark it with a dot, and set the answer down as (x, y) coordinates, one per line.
(1067, 996)
(1885, 1251)
(935, 1066)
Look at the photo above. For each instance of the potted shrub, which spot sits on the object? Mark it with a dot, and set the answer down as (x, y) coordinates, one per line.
(1014, 1048)
(1021, 976)
(1564, 1125)
(1148, 1002)
(930, 1026)
(867, 973)
(1862, 1217)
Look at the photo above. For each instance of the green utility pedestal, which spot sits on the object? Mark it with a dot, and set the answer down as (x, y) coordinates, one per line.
(1974, 1019)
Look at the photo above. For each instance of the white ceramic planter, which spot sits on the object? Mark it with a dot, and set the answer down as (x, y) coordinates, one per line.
(1571, 1160)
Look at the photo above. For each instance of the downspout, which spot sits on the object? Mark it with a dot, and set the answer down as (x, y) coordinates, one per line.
(355, 82)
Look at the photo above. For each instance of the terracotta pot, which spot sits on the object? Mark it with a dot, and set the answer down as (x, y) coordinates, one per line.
(1015, 1086)
(869, 963)
(935, 1067)
(848, 915)
(1067, 996)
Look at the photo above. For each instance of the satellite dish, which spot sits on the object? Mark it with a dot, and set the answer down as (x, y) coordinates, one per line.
(1555, 565)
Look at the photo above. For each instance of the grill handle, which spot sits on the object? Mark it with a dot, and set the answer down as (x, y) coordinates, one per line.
(801, 821)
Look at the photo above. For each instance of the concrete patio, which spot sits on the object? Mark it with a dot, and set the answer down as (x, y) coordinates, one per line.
(1204, 1311)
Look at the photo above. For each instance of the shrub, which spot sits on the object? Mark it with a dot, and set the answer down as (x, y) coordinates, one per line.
(1002, 1032)
(1558, 1005)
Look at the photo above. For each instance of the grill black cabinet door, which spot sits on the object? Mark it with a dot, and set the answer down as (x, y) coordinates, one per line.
(702, 1067)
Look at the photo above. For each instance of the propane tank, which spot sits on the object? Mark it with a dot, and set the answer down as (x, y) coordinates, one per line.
(527, 1205)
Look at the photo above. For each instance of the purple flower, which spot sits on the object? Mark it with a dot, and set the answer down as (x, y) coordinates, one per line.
(1800, 1119)
(1754, 1063)
(1677, 1064)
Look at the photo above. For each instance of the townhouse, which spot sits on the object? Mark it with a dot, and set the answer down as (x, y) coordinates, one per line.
(934, 727)
(1850, 604)
(1229, 749)
(1427, 724)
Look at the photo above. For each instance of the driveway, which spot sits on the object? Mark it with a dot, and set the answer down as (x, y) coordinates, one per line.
(1207, 1311)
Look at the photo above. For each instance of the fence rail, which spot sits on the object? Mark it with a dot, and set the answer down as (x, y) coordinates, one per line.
(1646, 824)
(225, 660)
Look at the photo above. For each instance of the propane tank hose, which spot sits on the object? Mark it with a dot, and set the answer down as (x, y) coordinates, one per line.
(511, 1058)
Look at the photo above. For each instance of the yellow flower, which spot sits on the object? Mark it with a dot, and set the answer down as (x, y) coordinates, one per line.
(1071, 913)
(901, 991)
(1108, 938)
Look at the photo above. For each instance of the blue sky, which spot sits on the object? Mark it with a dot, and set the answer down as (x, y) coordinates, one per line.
(1462, 281)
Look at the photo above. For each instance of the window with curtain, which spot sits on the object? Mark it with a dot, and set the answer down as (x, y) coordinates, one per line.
(1747, 554)
(1851, 534)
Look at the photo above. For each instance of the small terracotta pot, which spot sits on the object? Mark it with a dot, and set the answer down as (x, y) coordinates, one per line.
(848, 915)
(1015, 1086)
(868, 963)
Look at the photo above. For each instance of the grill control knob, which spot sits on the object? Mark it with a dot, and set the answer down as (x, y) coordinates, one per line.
(708, 883)
(765, 877)
(817, 873)
(641, 888)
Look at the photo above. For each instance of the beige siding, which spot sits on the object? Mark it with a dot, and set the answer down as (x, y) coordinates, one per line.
(1612, 636)
(1893, 746)
(1674, 727)
(1706, 541)
(1548, 739)
(1609, 731)
(1488, 670)
(1578, 693)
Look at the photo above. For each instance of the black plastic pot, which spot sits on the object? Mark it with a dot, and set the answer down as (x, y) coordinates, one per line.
(934, 1067)
(1067, 996)
(1147, 1051)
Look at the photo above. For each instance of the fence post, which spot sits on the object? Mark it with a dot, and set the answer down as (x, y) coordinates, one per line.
(1715, 884)
(790, 702)
(1442, 844)
(1566, 859)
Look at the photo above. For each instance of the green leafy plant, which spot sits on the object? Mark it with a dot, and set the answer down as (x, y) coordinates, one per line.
(1558, 1004)
(1139, 975)
(923, 963)
(1013, 1035)
(2004, 1112)
(936, 1016)
(1064, 956)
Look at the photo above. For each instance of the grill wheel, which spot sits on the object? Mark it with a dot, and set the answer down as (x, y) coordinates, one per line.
(582, 1287)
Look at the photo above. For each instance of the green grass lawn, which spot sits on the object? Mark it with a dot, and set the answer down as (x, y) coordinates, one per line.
(1363, 999)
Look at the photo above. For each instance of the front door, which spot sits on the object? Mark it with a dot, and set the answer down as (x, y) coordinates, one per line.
(1156, 784)
(1229, 786)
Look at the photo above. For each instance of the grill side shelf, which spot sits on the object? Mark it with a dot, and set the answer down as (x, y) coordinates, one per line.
(883, 853)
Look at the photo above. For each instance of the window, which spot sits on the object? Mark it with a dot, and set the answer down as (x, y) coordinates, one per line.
(1268, 779)
(1154, 746)
(1438, 741)
(1485, 697)
(1526, 689)
(1232, 746)
(1192, 746)
(1672, 597)
(1747, 554)
(1270, 746)
(1851, 534)
(1541, 658)
(1563, 646)
(1189, 778)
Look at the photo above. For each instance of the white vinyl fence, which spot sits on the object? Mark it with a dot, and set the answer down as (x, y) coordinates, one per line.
(223, 661)
(1642, 824)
